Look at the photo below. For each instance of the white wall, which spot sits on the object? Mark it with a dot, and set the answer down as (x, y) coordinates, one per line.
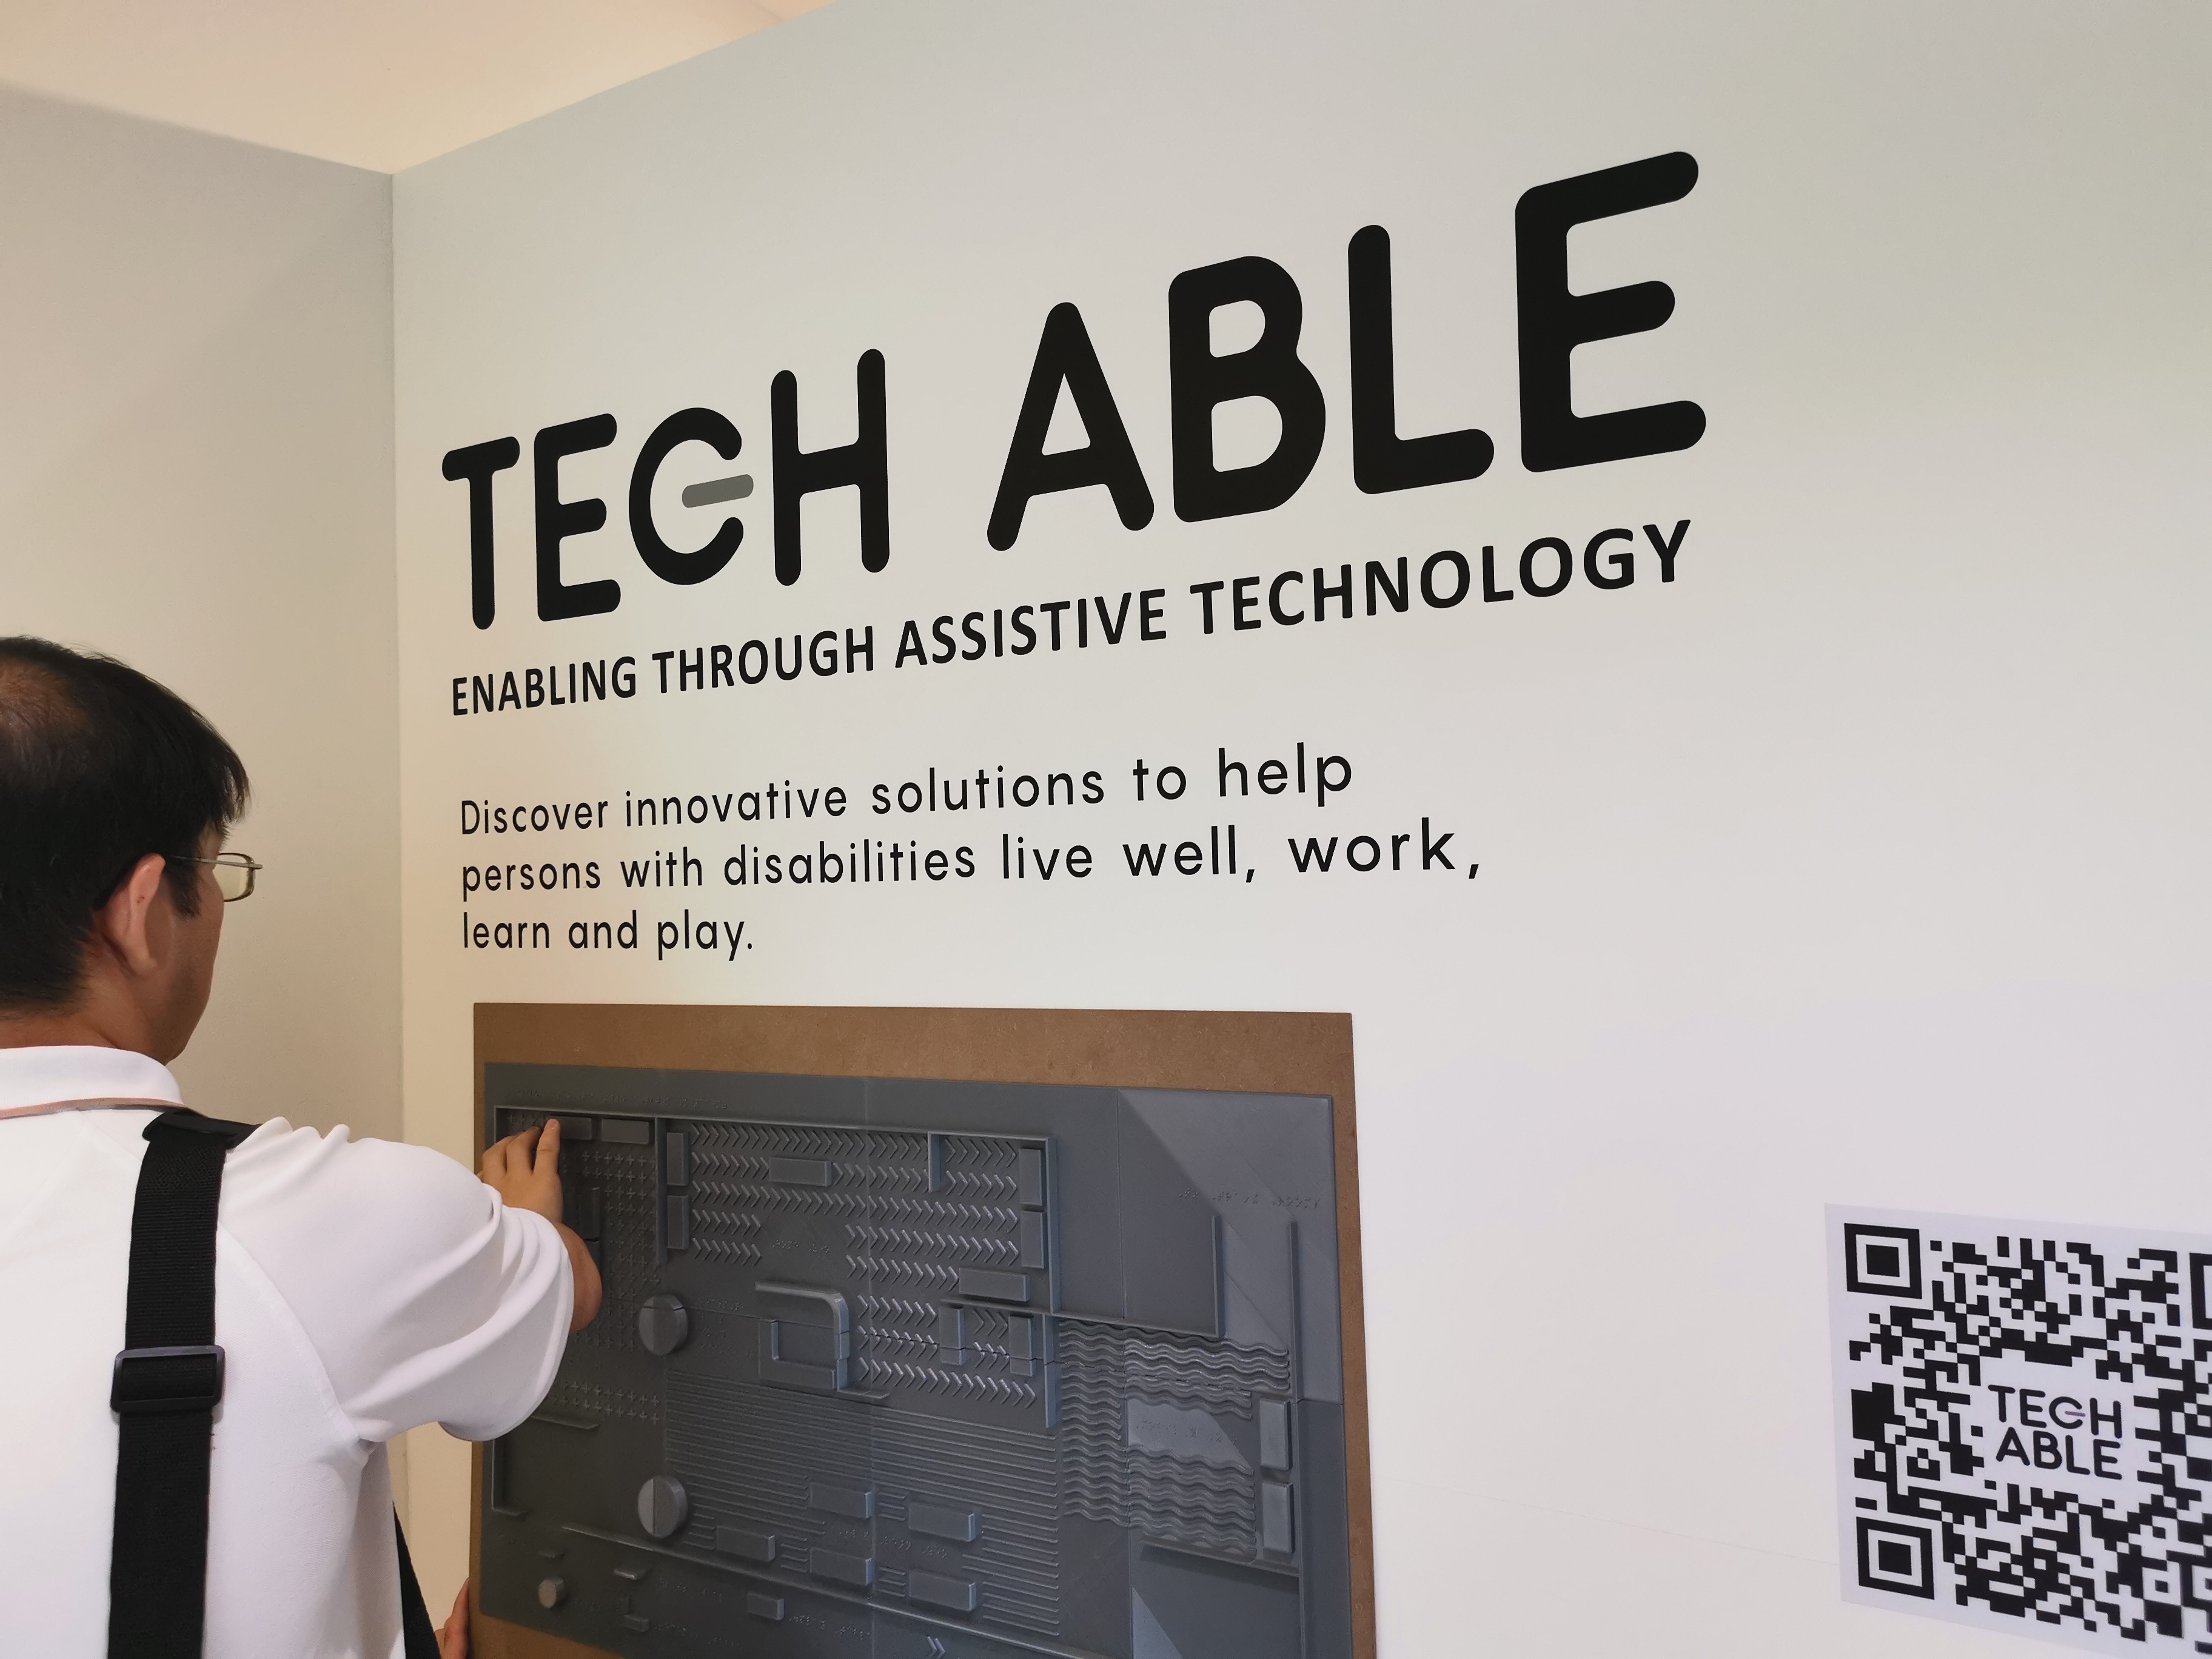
(1863, 863)
(196, 477)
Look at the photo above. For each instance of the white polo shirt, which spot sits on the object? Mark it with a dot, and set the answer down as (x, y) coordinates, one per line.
(362, 1288)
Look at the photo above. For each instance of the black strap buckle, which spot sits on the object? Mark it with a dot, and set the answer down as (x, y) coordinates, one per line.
(150, 1381)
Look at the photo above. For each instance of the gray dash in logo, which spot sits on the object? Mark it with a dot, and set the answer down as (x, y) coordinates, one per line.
(719, 489)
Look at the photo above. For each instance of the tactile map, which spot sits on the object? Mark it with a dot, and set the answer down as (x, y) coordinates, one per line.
(933, 1370)
(2024, 1435)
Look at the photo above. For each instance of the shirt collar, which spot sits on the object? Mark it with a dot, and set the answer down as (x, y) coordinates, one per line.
(53, 1079)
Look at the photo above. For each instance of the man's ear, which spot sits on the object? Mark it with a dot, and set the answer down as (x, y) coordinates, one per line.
(134, 925)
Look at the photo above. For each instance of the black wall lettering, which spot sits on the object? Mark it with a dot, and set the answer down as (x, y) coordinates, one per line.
(863, 463)
(1622, 565)
(1554, 321)
(1559, 550)
(558, 519)
(476, 464)
(1381, 460)
(1270, 368)
(1666, 546)
(686, 426)
(1064, 355)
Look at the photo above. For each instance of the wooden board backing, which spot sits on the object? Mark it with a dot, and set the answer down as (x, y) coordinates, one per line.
(1239, 1052)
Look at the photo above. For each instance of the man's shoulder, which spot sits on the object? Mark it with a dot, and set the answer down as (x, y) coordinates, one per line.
(280, 1163)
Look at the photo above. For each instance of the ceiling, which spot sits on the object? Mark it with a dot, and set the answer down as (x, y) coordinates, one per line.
(375, 84)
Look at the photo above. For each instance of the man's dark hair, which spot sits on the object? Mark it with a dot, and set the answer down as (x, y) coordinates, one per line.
(99, 766)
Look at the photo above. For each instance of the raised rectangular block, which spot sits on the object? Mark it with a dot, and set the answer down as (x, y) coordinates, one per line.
(679, 1222)
(942, 1521)
(858, 1570)
(1274, 1434)
(764, 1606)
(799, 1171)
(1275, 1534)
(1028, 1178)
(749, 1545)
(626, 1131)
(935, 1591)
(575, 1128)
(1032, 1238)
(854, 1503)
(952, 1336)
(993, 1286)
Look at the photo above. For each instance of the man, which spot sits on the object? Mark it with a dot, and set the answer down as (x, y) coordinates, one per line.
(362, 1287)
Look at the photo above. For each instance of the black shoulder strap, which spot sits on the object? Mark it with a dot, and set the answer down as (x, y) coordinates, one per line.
(418, 1635)
(167, 1382)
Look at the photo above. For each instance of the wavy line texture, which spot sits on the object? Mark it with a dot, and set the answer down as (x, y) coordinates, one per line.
(1104, 1478)
(1198, 1504)
(1199, 1371)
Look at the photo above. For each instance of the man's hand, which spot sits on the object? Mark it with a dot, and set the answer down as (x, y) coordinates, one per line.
(524, 1171)
(453, 1640)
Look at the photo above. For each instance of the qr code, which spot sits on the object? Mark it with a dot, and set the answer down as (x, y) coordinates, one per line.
(2024, 1427)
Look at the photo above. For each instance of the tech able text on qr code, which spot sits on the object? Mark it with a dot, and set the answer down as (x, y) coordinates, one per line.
(2024, 1425)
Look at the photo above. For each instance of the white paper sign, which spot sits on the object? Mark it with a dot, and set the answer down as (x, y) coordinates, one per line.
(2023, 1425)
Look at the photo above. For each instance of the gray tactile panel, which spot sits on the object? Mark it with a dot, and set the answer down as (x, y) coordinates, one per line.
(971, 1369)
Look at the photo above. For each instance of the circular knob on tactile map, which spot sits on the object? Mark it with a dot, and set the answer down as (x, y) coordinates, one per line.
(661, 1505)
(552, 1592)
(664, 1324)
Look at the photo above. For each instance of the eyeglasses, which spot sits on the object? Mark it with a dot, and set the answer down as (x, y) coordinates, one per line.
(234, 874)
